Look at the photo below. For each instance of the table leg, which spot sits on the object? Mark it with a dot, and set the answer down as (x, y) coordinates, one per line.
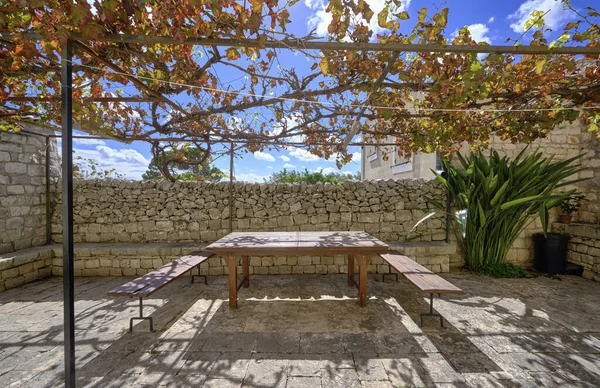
(246, 270)
(351, 270)
(232, 262)
(363, 266)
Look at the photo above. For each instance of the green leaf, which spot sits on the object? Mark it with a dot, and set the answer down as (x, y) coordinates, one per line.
(425, 218)
(499, 193)
(382, 17)
(403, 15)
(544, 217)
(521, 201)
(475, 66)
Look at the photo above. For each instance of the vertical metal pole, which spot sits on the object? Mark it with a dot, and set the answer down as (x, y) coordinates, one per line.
(48, 209)
(430, 303)
(231, 188)
(66, 80)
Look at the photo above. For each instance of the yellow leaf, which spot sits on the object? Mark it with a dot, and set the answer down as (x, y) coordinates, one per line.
(539, 66)
(324, 66)
(232, 54)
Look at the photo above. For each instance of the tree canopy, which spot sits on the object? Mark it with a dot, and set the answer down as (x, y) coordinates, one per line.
(292, 176)
(134, 91)
(189, 164)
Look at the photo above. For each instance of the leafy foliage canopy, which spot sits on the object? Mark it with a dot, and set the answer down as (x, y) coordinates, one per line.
(175, 90)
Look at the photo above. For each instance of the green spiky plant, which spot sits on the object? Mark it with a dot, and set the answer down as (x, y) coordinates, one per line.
(501, 197)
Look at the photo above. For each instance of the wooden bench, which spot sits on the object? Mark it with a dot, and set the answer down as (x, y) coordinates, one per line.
(422, 278)
(153, 281)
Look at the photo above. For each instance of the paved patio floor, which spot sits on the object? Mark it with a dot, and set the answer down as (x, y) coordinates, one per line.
(308, 331)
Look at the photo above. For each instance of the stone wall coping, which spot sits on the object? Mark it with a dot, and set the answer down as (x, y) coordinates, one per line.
(132, 249)
(24, 256)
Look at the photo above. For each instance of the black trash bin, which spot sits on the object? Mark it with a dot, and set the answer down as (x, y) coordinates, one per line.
(550, 252)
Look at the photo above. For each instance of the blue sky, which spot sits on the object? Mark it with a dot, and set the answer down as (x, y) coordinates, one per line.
(489, 21)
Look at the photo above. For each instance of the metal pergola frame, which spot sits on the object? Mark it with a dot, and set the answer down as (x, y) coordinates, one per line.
(67, 136)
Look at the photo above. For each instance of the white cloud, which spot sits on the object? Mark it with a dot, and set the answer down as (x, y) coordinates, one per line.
(303, 155)
(288, 165)
(554, 18)
(478, 32)
(491, 20)
(123, 155)
(327, 170)
(89, 141)
(128, 162)
(264, 156)
(250, 177)
(356, 157)
(284, 158)
(270, 167)
(320, 19)
(331, 170)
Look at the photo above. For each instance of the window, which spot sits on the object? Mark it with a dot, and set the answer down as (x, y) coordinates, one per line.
(373, 155)
(400, 164)
(438, 163)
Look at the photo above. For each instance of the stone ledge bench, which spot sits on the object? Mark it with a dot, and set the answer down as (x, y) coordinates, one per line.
(123, 259)
(136, 259)
(26, 265)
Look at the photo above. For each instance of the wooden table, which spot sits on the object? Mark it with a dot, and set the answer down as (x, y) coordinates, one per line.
(357, 245)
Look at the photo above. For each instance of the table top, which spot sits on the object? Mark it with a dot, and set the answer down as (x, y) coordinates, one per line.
(297, 243)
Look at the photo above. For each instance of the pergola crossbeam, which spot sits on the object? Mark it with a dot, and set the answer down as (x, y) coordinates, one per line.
(306, 44)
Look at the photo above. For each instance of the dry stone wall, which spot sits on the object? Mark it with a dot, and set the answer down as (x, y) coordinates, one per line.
(150, 211)
(23, 187)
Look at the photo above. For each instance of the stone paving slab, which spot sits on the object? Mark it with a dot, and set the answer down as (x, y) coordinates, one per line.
(308, 331)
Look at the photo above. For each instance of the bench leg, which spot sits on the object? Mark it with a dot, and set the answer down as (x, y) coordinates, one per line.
(141, 317)
(363, 266)
(232, 267)
(200, 276)
(431, 313)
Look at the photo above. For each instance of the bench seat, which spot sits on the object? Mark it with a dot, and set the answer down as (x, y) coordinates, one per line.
(419, 276)
(153, 281)
(422, 278)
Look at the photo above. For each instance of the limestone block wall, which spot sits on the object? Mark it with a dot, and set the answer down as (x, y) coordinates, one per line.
(135, 259)
(564, 141)
(23, 187)
(584, 247)
(150, 211)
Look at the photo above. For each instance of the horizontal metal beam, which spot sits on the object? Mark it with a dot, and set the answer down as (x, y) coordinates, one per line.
(300, 44)
(349, 46)
(188, 139)
(89, 99)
